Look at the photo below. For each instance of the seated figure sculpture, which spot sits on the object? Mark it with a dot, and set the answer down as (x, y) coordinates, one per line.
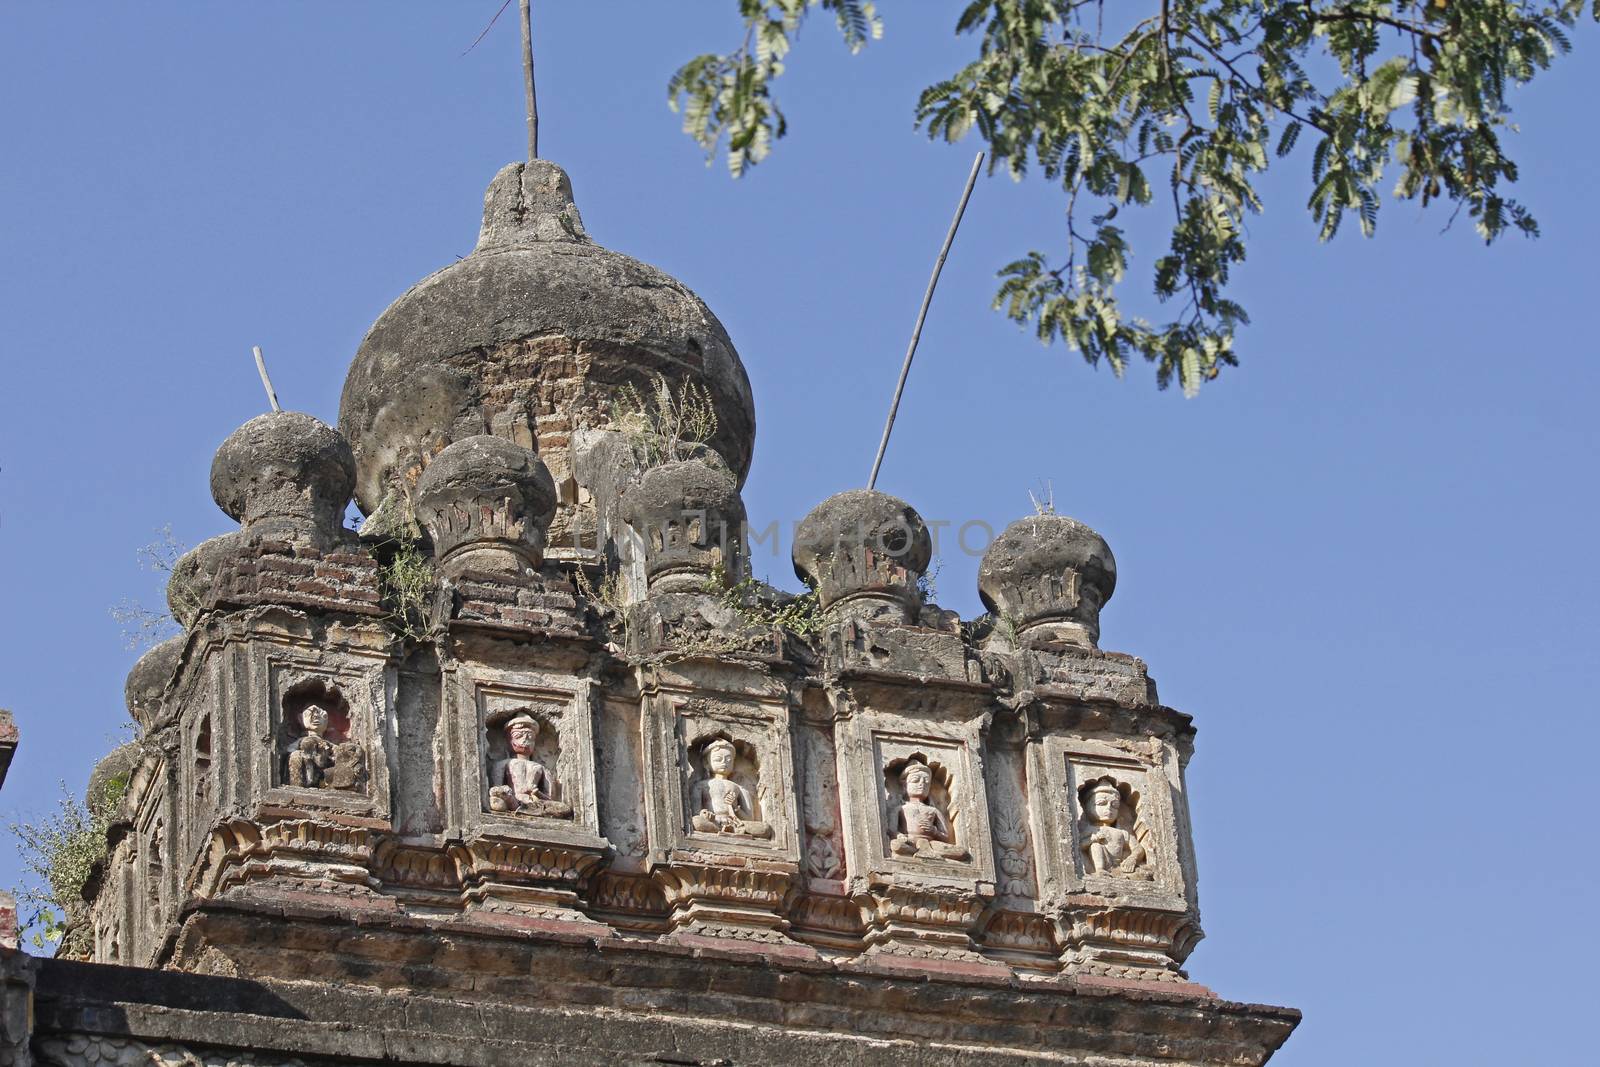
(315, 762)
(312, 755)
(1107, 848)
(519, 783)
(720, 804)
(923, 830)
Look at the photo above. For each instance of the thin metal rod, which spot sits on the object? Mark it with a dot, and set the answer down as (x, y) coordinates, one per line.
(527, 79)
(261, 365)
(916, 333)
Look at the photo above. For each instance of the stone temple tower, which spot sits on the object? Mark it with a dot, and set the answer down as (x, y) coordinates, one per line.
(528, 771)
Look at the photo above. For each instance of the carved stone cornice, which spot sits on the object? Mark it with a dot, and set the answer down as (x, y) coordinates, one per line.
(1122, 942)
(728, 897)
(924, 920)
(296, 849)
(541, 880)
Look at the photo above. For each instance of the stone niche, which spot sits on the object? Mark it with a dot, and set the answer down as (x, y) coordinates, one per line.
(916, 813)
(721, 808)
(328, 718)
(529, 820)
(1115, 863)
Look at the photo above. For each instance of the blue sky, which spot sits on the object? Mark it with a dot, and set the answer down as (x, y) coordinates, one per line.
(1362, 560)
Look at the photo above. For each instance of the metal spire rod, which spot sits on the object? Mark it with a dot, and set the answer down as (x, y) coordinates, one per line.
(916, 332)
(527, 79)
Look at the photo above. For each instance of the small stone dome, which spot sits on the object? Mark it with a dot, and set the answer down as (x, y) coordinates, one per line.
(691, 519)
(864, 546)
(533, 338)
(488, 497)
(147, 681)
(1050, 575)
(195, 573)
(110, 777)
(284, 473)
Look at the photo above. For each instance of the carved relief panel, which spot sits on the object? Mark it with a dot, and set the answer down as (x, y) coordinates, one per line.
(1115, 827)
(915, 801)
(723, 779)
(328, 721)
(520, 790)
(521, 764)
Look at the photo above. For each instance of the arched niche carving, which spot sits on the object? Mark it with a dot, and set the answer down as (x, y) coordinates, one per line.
(522, 743)
(924, 812)
(317, 749)
(1112, 837)
(726, 797)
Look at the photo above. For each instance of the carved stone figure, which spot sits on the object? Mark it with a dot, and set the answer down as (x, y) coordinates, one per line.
(720, 804)
(519, 783)
(1108, 849)
(318, 763)
(923, 830)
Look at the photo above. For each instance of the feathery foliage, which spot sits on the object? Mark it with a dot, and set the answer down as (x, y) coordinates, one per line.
(1178, 106)
(59, 853)
(667, 425)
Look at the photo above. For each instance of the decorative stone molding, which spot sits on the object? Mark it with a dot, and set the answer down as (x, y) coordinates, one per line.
(1022, 939)
(292, 850)
(715, 898)
(525, 879)
(923, 920)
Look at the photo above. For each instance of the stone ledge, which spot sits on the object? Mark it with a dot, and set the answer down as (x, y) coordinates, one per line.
(655, 999)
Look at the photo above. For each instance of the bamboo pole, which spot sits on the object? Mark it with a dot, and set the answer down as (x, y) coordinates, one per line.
(922, 315)
(261, 367)
(527, 79)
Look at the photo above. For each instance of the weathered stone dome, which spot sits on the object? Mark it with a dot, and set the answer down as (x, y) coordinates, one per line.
(864, 549)
(195, 573)
(147, 681)
(533, 337)
(691, 518)
(286, 473)
(1050, 575)
(489, 499)
(109, 779)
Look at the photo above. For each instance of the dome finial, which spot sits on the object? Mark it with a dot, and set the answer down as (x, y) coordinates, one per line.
(529, 203)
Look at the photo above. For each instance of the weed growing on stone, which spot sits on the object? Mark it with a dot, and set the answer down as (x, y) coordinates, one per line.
(666, 426)
(406, 578)
(800, 615)
(141, 626)
(60, 851)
